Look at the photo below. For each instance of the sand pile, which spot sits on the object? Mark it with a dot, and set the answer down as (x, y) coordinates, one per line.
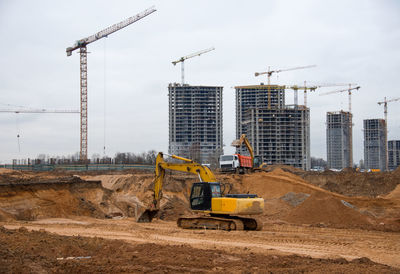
(290, 169)
(276, 184)
(6, 171)
(46, 200)
(395, 194)
(321, 208)
(370, 184)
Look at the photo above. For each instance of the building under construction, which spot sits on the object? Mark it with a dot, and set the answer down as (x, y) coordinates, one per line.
(195, 122)
(338, 139)
(277, 132)
(394, 154)
(375, 144)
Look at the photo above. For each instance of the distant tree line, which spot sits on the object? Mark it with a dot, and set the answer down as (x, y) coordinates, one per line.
(148, 158)
(318, 162)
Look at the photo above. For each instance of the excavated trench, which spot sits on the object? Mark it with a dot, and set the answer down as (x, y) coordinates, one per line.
(288, 198)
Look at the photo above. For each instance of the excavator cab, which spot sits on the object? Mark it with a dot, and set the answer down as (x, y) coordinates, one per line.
(202, 193)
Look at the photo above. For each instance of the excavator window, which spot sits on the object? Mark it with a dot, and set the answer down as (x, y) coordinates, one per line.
(215, 190)
(200, 197)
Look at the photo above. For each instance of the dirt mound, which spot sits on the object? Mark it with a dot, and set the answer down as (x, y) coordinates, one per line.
(6, 171)
(276, 184)
(325, 209)
(294, 170)
(351, 183)
(42, 252)
(56, 199)
(395, 194)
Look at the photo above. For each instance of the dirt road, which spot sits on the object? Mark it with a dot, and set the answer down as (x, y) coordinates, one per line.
(380, 247)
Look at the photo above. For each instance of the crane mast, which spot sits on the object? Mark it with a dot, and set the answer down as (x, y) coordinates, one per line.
(81, 45)
(385, 108)
(182, 61)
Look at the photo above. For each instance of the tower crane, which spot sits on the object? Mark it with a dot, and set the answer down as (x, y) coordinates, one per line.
(32, 110)
(305, 88)
(342, 90)
(81, 45)
(182, 61)
(41, 110)
(384, 102)
(270, 72)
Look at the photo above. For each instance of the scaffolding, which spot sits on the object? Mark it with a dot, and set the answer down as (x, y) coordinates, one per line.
(195, 122)
(394, 154)
(338, 139)
(374, 144)
(279, 133)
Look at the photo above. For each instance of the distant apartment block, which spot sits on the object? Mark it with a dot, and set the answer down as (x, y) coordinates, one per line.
(394, 154)
(339, 139)
(375, 144)
(277, 132)
(195, 121)
(256, 96)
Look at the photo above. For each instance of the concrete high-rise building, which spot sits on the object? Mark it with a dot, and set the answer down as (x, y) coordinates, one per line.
(394, 154)
(375, 144)
(256, 96)
(277, 132)
(281, 135)
(338, 139)
(195, 122)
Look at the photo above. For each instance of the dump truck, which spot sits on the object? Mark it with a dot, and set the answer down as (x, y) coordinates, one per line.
(239, 163)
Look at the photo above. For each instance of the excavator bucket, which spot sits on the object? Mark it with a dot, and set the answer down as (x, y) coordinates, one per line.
(147, 216)
(236, 143)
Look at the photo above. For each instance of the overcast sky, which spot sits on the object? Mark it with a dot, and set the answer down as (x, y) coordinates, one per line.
(128, 72)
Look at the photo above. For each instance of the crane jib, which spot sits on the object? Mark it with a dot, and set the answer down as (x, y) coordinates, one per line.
(107, 31)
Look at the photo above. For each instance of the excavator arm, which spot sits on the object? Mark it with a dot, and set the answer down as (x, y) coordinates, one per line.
(243, 139)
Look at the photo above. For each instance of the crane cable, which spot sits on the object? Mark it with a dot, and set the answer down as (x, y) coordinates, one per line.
(104, 99)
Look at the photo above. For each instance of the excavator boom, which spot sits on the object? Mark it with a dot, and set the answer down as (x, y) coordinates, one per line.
(243, 139)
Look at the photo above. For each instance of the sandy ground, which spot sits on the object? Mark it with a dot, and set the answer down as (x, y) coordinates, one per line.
(277, 239)
(308, 227)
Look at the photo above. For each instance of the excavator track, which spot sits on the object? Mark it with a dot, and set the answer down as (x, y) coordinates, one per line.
(218, 223)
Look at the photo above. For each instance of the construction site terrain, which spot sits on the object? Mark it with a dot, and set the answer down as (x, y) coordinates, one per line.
(313, 222)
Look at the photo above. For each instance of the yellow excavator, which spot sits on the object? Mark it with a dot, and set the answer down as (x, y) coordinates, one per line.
(229, 212)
